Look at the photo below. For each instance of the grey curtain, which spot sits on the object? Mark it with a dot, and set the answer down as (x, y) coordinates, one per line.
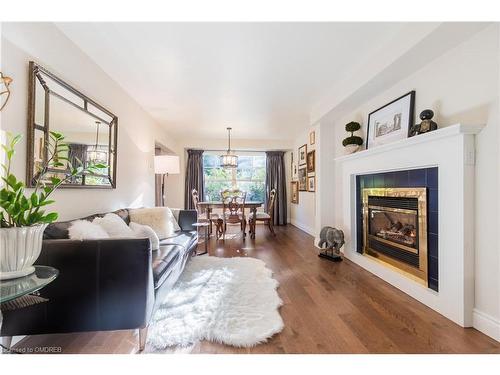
(194, 176)
(77, 153)
(276, 179)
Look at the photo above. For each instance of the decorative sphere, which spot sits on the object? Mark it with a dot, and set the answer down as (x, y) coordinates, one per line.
(426, 114)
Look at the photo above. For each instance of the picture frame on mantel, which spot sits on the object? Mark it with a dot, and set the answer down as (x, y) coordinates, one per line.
(391, 122)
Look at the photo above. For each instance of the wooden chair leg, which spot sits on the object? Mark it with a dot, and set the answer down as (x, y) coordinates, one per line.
(143, 335)
(271, 227)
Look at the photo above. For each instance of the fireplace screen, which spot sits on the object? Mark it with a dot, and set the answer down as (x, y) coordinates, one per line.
(399, 226)
(395, 228)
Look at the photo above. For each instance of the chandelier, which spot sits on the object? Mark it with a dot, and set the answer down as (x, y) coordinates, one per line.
(97, 155)
(229, 160)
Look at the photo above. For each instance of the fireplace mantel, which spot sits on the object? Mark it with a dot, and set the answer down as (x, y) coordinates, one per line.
(446, 132)
(452, 150)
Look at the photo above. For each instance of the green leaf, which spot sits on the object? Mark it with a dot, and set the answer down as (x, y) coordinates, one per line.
(34, 199)
(45, 203)
(55, 180)
(56, 135)
(15, 140)
(49, 218)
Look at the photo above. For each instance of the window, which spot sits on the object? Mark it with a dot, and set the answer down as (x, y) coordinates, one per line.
(250, 175)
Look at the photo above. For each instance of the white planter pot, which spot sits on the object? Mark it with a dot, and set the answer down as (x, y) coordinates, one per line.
(19, 249)
(350, 149)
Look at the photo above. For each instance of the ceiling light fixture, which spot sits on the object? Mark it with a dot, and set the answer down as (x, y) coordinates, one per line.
(97, 155)
(229, 160)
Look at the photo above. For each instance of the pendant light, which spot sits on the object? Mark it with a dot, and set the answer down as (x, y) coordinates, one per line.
(229, 160)
(97, 156)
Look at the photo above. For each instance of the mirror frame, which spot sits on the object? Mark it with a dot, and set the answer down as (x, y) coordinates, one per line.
(34, 70)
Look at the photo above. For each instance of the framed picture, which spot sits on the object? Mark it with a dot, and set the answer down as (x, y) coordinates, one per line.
(295, 192)
(312, 137)
(294, 171)
(311, 183)
(311, 161)
(302, 154)
(302, 179)
(391, 122)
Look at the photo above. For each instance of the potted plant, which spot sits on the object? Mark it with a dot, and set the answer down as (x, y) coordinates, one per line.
(353, 142)
(22, 215)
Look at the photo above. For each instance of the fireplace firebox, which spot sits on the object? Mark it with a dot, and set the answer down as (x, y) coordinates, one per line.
(395, 229)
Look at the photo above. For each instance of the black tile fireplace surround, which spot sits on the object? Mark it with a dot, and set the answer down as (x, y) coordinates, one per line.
(425, 177)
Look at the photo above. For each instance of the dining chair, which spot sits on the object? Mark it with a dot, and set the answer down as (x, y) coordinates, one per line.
(266, 217)
(201, 214)
(233, 209)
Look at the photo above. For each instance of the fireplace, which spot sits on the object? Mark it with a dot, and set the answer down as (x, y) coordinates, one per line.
(395, 229)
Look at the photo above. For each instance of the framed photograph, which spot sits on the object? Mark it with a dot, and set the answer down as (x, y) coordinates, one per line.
(294, 172)
(311, 183)
(312, 137)
(391, 122)
(311, 161)
(302, 179)
(295, 192)
(302, 155)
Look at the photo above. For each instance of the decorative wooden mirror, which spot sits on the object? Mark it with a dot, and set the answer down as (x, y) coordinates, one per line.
(89, 129)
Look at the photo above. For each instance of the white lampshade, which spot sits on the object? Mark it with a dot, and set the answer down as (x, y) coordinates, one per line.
(167, 164)
(229, 161)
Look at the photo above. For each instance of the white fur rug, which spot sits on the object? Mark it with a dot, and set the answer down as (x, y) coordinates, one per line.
(227, 300)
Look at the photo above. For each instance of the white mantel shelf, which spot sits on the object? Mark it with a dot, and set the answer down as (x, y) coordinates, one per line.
(452, 150)
(435, 135)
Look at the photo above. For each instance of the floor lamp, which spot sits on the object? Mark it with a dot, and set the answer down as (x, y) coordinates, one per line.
(165, 165)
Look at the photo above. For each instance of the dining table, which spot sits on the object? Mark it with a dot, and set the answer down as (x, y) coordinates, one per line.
(208, 206)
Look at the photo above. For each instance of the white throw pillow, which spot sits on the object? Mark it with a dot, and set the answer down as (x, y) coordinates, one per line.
(160, 219)
(146, 231)
(85, 230)
(114, 225)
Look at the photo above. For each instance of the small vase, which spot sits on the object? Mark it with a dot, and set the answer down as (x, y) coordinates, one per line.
(350, 149)
(20, 247)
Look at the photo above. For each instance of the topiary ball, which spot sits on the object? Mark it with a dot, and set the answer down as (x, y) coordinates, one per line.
(352, 126)
(354, 140)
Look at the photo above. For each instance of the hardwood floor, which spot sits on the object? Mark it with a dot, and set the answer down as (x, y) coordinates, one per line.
(328, 308)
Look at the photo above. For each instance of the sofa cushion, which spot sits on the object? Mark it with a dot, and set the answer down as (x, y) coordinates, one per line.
(164, 261)
(161, 219)
(59, 230)
(114, 226)
(86, 230)
(147, 232)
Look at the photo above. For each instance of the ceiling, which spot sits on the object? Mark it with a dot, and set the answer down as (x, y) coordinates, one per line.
(262, 79)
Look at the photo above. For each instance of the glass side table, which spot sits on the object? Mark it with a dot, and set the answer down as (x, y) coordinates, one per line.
(22, 286)
(205, 225)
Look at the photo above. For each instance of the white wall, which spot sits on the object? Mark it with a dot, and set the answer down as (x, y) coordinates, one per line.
(137, 131)
(303, 214)
(461, 86)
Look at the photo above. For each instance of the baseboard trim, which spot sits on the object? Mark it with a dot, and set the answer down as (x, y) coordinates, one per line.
(302, 227)
(486, 324)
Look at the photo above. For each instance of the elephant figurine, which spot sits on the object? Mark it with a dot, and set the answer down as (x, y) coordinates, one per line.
(331, 239)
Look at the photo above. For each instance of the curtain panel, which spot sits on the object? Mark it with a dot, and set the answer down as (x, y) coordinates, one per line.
(194, 177)
(276, 179)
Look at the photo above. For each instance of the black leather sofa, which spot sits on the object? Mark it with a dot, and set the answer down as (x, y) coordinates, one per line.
(108, 284)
